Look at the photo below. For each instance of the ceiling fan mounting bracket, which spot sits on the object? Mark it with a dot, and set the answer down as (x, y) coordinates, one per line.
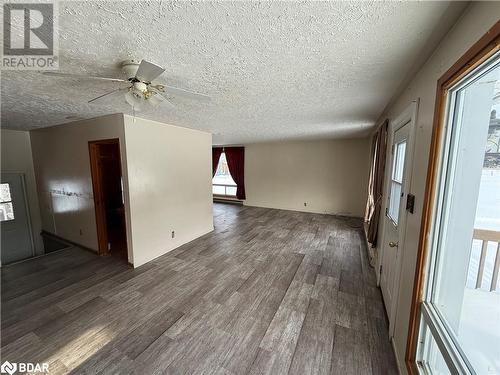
(130, 67)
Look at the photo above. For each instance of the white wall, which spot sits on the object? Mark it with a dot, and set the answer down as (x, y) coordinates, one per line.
(17, 157)
(62, 168)
(474, 23)
(170, 186)
(166, 176)
(331, 176)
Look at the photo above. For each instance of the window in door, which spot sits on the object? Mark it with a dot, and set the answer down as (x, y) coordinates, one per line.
(396, 181)
(6, 208)
(460, 330)
(222, 183)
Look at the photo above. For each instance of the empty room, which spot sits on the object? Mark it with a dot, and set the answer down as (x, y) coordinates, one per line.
(250, 187)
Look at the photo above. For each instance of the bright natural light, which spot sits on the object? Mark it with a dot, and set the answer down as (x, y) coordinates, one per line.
(223, 183)
(464, 292)
(397, 181)
(6, 208)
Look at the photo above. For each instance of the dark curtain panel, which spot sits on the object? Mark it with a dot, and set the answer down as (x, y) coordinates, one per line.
(216, 153)
(376, 185)
(235, 157)
(371, 194)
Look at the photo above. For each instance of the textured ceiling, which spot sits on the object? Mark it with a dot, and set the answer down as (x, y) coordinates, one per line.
(275, 70)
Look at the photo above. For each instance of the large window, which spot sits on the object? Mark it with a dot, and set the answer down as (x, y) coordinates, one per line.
(222, 183)
(460, 329)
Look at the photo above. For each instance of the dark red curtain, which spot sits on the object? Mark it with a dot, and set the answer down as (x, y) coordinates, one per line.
(235, 157)
(216, 153)
(376, 184)
(370, 202)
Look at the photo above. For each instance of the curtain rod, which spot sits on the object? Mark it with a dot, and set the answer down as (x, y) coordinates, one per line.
(220, 146)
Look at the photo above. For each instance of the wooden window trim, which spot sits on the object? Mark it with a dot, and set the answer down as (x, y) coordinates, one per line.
(483, 49)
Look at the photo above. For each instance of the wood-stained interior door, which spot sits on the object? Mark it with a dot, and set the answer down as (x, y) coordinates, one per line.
(107, 184)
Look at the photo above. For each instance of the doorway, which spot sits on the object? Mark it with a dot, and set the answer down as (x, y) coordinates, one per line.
(107, 183)
(401, 137)
(17, 240)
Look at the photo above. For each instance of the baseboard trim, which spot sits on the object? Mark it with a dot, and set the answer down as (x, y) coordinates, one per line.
(54, 236)
(228, 200)
(398, 362)
(195, 237)
(335, 214)
(369, 248)
(71, 243)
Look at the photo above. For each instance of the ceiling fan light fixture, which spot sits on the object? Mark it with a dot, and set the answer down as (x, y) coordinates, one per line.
(160, 88)
(154, 100)
(134, 99)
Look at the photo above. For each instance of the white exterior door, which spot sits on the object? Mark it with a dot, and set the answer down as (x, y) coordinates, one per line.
(17, 243)
(394, 221)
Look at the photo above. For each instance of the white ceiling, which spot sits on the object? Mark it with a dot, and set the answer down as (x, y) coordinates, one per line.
(275, 70)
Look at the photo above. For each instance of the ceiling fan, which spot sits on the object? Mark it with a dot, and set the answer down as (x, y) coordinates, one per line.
(140, 90)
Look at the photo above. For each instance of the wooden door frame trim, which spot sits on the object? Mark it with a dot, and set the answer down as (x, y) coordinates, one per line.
(100, 214)
(483, 49)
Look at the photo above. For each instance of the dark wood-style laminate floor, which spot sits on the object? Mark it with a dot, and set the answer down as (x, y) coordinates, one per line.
(268, 292)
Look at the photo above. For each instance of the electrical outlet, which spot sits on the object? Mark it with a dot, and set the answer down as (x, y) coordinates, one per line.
(173, 233)
(81, 232)
(305, 204)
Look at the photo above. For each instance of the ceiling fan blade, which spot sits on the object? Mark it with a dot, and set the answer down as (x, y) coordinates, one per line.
(109, 94)
(148, 71)
(82, 76)
(186, 93)
(158, 98)
(168, 104)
